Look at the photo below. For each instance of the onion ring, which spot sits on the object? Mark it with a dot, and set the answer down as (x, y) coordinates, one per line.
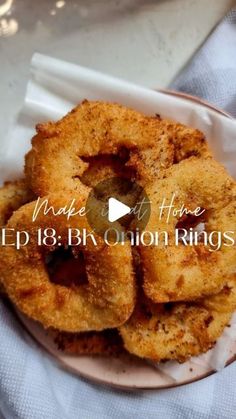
(178, 331)
(188, 142)
(12, 196)
(88, 130)
(183, 272)
(106, 301)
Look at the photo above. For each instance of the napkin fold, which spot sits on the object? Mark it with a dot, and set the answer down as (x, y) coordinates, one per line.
(211, 74)
(32, 386)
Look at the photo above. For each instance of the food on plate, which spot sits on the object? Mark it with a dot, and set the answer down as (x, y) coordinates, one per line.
(92, 128)
(176, 272)
(106, 343)
(104, 167)
(12, 196)
(188, 142)
(164, 301)
(105, 301)
(177, 331)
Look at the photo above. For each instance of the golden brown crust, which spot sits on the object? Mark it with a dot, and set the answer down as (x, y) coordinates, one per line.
(179, 330)
(93, 128)
(12, 196)
(88, 130)
(180, 272)
(188, 142)
(105, 302)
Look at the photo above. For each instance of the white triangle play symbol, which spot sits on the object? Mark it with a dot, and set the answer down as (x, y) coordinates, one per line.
(116, 209)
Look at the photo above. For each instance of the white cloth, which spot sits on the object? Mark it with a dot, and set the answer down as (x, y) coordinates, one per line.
(33, 386)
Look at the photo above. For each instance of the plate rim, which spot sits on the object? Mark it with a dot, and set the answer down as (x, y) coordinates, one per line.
(60, 361)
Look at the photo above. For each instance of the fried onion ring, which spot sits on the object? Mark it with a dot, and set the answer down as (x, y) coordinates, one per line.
(12, 196)
(88, 130)
(106, 301)
(188, 142)
(178, 331)
(183, 272)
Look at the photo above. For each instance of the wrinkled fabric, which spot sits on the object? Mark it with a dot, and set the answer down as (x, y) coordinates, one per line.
(33, 386)
(211, 74)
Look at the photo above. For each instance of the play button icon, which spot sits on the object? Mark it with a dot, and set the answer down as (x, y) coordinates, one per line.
(119, 205)
(117, 209)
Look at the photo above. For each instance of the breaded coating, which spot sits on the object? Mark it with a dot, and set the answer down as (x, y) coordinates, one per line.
(105, 301)
(188, 142)
(177, 331)
(107, 343)
(90, 129)
(144, 162)
(12, 196)
(176, 271)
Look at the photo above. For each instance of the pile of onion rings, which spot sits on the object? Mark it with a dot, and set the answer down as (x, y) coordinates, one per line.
(158, 303)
